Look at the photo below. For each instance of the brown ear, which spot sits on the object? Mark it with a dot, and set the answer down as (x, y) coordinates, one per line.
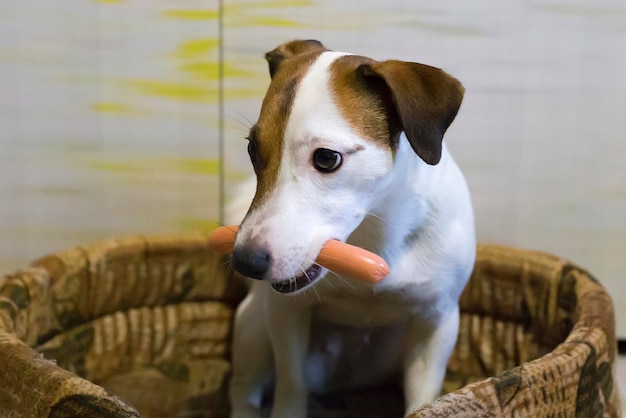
(426, 100)
(289, 49)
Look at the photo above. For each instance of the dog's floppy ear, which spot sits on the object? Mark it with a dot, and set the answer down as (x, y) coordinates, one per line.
(289, 49)
(426, 100)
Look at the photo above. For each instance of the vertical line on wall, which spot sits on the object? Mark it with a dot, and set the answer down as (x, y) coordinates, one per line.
(220, 106)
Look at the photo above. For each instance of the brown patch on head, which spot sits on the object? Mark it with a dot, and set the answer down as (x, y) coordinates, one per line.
(381, 99)
(426, 100)
(365, 104)
(289, 49)
(288, 65)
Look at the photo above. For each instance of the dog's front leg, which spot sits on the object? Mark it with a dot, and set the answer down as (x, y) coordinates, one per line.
(289, 323)
(252, 357)
(429, 345)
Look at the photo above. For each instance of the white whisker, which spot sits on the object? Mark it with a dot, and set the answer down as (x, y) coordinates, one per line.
(292, 280)
(374, 216)
(241, 119)
(305, 273)
(344, 281)
(309, 287)
(329, 282)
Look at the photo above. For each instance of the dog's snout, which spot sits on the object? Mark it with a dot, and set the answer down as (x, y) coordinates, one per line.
(252, 261)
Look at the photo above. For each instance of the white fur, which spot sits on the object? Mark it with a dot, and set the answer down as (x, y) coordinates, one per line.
(404, 327)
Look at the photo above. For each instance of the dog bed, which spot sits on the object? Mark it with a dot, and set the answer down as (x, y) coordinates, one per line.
(146, 321)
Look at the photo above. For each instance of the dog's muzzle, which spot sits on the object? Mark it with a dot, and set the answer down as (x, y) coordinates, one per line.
(254, 261)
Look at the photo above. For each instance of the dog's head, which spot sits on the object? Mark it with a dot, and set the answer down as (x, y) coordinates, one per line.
(323, 150)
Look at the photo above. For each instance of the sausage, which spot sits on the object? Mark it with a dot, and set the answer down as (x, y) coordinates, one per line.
(352, 261)
(336, 256)
(222, 239)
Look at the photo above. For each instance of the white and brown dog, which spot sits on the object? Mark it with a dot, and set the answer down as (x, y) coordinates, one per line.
(350, 148)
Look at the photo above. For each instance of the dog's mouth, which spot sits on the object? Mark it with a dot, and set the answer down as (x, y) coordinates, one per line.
(299, 282)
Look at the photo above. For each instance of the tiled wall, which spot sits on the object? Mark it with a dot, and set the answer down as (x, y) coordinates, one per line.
(110, 113)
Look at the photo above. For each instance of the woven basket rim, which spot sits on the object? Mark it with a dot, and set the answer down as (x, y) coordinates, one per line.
(94, 264)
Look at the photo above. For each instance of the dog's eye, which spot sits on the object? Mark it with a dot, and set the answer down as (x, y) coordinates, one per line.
(326, 160)
(252, 152)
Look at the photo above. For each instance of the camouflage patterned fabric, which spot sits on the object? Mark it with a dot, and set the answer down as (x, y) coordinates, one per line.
(149, 319)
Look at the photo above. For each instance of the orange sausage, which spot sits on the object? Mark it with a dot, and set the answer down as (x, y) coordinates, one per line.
(336, 256)
(222, 239)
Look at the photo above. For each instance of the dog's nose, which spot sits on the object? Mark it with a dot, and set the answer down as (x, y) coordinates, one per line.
(252, 261)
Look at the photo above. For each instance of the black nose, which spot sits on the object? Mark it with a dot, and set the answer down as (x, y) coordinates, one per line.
(252, 261)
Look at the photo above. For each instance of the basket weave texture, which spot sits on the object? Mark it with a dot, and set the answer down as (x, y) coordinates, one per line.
(149, 318)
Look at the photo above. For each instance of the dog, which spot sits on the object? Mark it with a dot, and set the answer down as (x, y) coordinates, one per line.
(349, 148)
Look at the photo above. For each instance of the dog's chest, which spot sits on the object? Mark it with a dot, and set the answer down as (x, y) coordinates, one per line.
(365, 306)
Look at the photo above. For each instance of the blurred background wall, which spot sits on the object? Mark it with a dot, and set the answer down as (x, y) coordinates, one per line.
(117, 118)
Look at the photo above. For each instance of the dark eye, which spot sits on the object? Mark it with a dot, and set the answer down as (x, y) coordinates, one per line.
(326, 160)
(252, 152)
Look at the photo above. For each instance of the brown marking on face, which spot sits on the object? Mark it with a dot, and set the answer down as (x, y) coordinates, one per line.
(365, 103)
(294, 61)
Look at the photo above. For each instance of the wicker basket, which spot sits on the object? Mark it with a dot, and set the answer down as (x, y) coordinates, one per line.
(149, 319)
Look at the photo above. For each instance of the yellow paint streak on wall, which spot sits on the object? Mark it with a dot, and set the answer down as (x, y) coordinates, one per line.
(263, 21)
(243, 20)
(197, 224)
(196, 166)
(196, 48)
(192, 14)
(193, 166)
(186, 92)
(115, 167)
(112, 108)
(207, 70)
(172, 90)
